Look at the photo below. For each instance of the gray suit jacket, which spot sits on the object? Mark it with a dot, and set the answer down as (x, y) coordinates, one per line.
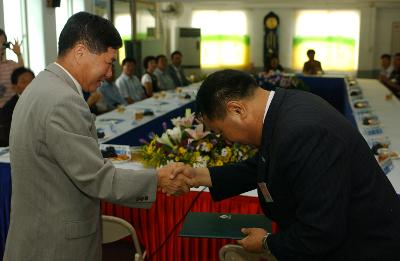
(180, 80)
(59, 175)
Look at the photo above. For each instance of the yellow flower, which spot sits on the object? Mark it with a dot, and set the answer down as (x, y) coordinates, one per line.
(177, 159)
(182, 150)
(219, 163)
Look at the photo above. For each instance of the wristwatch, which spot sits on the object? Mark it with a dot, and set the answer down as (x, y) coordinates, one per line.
(265, 243)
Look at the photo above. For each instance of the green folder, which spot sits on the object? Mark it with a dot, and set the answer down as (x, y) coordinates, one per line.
(219, 225)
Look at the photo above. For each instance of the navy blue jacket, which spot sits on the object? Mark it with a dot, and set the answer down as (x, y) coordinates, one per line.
(331, 199)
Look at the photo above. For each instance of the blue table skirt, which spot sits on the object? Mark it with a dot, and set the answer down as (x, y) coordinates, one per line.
(5, 201)
(142, 132)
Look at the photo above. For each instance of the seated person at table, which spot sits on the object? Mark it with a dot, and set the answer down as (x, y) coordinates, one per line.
(92, 98)
(393, 81)
(149, 80)
(386, 67)
(128, 84)
(165, 81)
(20, 78)
(314, 173)
(8, 66)
(175, 70)
(111, 96)
(312, 67)
(274, 66)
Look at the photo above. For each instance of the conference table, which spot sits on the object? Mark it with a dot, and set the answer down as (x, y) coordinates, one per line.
(165, 217)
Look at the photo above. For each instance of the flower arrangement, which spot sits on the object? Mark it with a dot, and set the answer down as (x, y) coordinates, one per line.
(274, 79)
(188, 143)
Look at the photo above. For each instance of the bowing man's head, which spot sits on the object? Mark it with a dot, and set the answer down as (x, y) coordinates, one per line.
(87, 48)
(230, 102)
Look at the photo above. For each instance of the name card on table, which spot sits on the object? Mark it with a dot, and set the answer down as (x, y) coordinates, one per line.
(387, 165)
(372, 130)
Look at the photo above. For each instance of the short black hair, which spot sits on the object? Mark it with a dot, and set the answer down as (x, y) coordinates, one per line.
(128, 60)
(221, 87)
(386, 56)
(95, 32)
(2, 32)
(310, 51)
(18, 72)
(175, 52)
(160, 57)
(147, 59)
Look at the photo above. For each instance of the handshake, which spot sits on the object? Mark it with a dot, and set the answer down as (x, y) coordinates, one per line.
(177, 178)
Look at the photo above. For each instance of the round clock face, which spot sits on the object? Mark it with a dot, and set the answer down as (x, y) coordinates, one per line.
(271, 23)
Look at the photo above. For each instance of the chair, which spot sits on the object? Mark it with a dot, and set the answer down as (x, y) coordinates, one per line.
(115, 228)
(232, 252)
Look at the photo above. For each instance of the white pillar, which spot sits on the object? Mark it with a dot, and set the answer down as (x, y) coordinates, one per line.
(42, 34)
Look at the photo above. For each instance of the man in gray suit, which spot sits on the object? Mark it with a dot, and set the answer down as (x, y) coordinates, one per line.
(58, 173)
(175, 70)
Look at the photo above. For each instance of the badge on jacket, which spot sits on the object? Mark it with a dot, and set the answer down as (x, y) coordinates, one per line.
(265, 192)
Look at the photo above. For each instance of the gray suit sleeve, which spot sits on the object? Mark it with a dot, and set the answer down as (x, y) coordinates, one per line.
(71, 137)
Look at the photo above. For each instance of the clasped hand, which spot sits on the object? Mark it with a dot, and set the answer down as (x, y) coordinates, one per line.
(175, 179)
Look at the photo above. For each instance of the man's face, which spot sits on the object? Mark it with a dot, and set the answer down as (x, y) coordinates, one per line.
(23, 81)
(385, 62)
(96, 68)
(176, 60)
(129, 68)
(311, 55)
(230, 128)
(162, 63)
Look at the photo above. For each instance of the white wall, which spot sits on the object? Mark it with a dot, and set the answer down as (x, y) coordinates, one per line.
(376, 23)
(41, 35)
(375, 32)
(384, 21)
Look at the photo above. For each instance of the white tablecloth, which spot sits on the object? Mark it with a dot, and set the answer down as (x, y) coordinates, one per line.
(388, 112)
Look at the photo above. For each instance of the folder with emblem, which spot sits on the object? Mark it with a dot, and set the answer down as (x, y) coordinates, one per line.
(219, 225)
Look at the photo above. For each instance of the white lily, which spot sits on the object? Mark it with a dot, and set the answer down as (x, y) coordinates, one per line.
(175, 134)
(198, 132)
(184, 122)
(164, 139)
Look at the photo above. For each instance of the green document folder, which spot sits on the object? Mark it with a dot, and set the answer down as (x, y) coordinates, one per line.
(218, 225)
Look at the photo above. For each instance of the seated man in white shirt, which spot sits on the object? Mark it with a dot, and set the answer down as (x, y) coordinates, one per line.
(165, 81)
(111, 97)
(128, 84)
(386, 67)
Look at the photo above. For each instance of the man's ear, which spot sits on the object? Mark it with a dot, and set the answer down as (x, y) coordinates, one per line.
(236, 108)
(79, 51)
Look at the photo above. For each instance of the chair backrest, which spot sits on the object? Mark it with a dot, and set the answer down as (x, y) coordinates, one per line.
(232, 252)
(115, 228)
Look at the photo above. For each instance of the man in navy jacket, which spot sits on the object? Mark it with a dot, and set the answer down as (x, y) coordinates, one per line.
(314, 173)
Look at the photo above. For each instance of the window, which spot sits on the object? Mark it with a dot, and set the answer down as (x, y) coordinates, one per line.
(62, 14)
(224, 38)
(13, 26)
(334, 35)
(65, 11)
